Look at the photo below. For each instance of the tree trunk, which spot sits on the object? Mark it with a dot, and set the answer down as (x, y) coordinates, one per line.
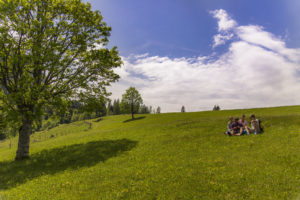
(24, 139)
(132, 113)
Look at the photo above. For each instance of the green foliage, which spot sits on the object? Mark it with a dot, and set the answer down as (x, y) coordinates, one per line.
(116, 107)
(75, 117)
(8, 128)
(109, 108)
(144, 109)
(89, 108)
(49, 124)
(94, 103)
(166, 156)
(85, 116)
(52, 51)
(131, 101)
(49, 49)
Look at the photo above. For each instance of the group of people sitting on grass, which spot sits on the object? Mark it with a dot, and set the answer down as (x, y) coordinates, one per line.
(240, 126)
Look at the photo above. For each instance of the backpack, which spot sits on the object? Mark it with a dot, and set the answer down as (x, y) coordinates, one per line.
(260, 126)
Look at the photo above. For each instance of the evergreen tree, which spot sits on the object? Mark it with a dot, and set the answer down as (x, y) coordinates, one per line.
(158, 110)
(116, 107)
(216, 108)
(109, 108)
(144, 109)
(182, 109)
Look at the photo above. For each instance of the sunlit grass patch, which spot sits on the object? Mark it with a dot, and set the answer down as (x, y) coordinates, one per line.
(166, 156)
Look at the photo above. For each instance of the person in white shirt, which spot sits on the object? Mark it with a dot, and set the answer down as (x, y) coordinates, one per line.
(244, 122)
(255, 125)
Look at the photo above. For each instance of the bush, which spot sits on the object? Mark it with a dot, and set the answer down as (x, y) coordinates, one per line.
(85, 116)
(49, 124)
(75, 117)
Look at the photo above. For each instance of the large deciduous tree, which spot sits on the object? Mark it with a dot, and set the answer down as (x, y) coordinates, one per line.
(131, 101)
(50, 51)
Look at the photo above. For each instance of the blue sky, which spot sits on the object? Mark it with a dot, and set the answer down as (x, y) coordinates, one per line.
(234, 53)
(178, 28)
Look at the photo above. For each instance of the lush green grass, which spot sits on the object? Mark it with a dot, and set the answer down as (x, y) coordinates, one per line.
(165, 156)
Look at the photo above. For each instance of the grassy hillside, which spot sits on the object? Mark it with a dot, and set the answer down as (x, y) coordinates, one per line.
(165, 156)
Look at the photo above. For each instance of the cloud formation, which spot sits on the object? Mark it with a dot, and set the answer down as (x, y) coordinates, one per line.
(258, 70)
(220, 39)
(225, 23)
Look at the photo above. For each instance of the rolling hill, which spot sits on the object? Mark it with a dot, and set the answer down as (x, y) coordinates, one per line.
(163, 156)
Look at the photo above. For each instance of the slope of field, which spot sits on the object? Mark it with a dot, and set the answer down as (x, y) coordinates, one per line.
(165, 156)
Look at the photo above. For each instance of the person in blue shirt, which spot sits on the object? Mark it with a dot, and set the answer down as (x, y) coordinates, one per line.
(229, 125)
(236, 127)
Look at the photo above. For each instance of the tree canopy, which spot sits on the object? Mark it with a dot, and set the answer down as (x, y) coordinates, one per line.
(51, 51)
(131, 101)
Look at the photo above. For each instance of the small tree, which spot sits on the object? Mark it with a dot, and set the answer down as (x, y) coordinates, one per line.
(144, 109)
(131, 101)
(182, 109)
(90, 105)
(216, 108)
(158, 110)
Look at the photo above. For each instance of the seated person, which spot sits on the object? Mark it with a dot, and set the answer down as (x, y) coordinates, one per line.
(236, 127)
(228, 132)
(255, 125)
(244, 122)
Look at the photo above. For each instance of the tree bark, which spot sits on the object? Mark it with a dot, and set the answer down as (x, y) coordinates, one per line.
(24, 139)
(132, 113)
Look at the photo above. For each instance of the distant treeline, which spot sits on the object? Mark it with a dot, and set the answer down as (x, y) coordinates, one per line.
(77, 111)
(116, 108)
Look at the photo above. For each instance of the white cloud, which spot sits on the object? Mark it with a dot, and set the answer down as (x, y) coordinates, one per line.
(258, 70)
(225, 25)
(256, 35)
(225, 22)
(221, 39)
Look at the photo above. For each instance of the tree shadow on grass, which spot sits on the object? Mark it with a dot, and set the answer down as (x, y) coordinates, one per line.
(134, 119)
(59, 159)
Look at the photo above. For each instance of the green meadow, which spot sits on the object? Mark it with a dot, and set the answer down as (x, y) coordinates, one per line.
(162, 156)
